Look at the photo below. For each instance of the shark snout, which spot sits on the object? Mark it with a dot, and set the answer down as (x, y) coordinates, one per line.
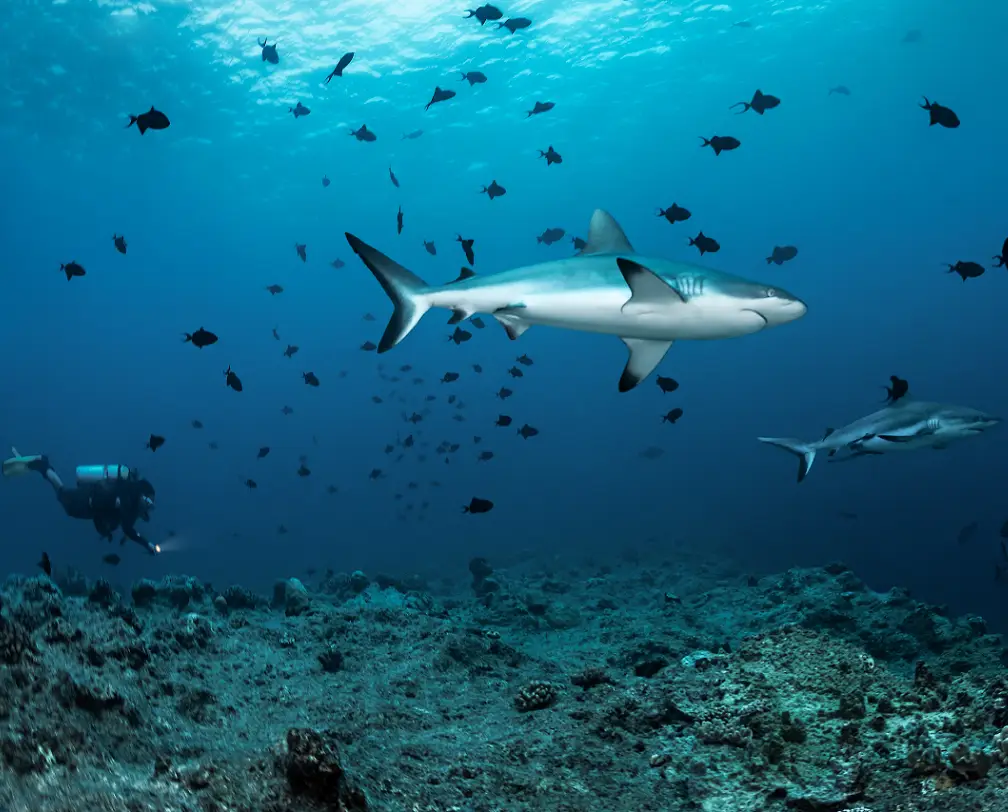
(781, 307)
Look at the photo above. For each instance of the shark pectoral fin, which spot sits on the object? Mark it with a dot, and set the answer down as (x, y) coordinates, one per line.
(605, 236)
(460, 314)
(512, 322)
(648, 291)
(645, 355)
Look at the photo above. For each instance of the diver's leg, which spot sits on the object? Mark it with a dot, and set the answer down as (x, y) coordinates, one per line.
(43, 467)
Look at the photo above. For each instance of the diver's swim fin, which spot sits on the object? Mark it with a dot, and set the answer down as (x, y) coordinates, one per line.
(18, 465)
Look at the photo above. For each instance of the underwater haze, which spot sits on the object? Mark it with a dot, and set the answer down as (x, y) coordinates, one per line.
(878, 203)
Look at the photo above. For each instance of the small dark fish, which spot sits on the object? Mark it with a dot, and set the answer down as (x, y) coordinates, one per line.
(477, 505)
(429, 246)
(111, 559)
(967, 270)
(345, 60)
(551, 156)
(325, 181)
(940, 115)
(460, 335)
(515, 24)
(474, 77)
(477, 369)
(504, 393)
(840, 90)
(550, 236)
(408, 442)
(503, 420)
(212, 445)
(310, 379)
(155, 442)
(406, 368)
(281, 530)
(263, 452)
(484, 456)
(467, 247)
(274, 289)
(449, 377)
(376, 399)
(45, 564)
(493, 190)
(269, 52)
(120, 243)
(667, 384)
(761, 102)
(527, 431)
(452, 398)
(415, 418)
(276, 335)
(476, 440)
(72, 269)
(673, 415)
(540, 107)
(412, 136)
(232, 380)
(484, 13)
(332, 489)
(968, 533)
(393, 178)
(675, 214)
(1002, 258)
(705, 245)
(477, 322)
(579, 244)
(303, 471)
(291, 350)
(899, 389)
(364, 134)
(200, 338)
(514, 372)
(398, 220)
(368, 317)
(299, 110)
(302, 251)
(369, 346)
(524, 360)
(782, 254)
(911, 36)
(337, 263)
(651, 453)
(376, 473)
(151, 120)
(196, 424)
(287, 410)
(251, 484)
(720, 143)
(440, 96)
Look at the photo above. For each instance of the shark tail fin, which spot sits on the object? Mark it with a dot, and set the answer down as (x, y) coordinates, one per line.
(405, 289)
(805, 452)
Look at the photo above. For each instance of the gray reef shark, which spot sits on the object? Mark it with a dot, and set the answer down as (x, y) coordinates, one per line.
(903, 426)
(606, 288)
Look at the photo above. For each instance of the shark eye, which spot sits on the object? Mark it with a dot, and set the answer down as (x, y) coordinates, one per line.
(770, 293)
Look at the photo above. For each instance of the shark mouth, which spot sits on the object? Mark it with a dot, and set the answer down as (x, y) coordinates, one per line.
(750, 310)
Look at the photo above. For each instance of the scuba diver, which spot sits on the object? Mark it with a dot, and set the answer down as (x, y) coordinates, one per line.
(111, 496)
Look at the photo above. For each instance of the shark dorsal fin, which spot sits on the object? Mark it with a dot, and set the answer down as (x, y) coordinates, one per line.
(605, 236)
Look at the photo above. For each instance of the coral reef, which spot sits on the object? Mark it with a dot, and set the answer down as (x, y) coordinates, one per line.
(638, 686)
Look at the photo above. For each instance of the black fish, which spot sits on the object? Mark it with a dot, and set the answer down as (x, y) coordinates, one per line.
(302, 251)
(540, 107)
(514, 372)
(840, 90)
(720, 143)
(369, 346)
(477, 368)
(467, 247)
(761, 102)
(484, 456)
(450, 377)
(551, 156)
(524, 360)
(1002, 258)
(45, 564)
(515, 24)
(274, 289)
(299, 110)
(503, 420)
(151, 120)
(782, 254)
(429, 246)
(493, 190)
(111, 559)
(460, 335)
(332, 489)
(706, 245)
(325, 181)
(263, 452)
(474, 77)
(484, 13)
(550, 236)
(281, 530)
(579, 244)
(364, 134)
(899, 389)
(398, 219)
(477, 322)
(287, 410)
(504, 393)
(393, 178)
(269, 52)
(527, 431)
(440, 96)
(310, 379)
(940, 115)
(967, 270)
(251, 484)
(197, 424)
(213, 445)
(672, 416)
(477, 505)
(201, 338)
(155, 442)
(667, 384)
(412, 136)
(232, 380)
(337, 263)
(345, 60)
(120, 243)
(376, 473)
(72, 269)
(675, 214)
(303, 471)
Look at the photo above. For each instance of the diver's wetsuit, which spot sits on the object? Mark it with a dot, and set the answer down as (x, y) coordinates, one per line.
(110, 503)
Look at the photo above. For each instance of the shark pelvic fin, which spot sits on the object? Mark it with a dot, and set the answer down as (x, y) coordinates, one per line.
(645, 355)
(404, 288)
(512, 322)
(805, 452)
(460, 314)
(648, 291)
(605, 236)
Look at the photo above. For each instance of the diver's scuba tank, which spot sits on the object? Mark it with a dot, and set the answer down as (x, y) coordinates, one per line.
(89, 474)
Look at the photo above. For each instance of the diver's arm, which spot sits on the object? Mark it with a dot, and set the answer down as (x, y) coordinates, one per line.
(133, 535)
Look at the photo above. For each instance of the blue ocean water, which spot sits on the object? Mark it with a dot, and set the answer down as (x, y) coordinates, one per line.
(876, 201)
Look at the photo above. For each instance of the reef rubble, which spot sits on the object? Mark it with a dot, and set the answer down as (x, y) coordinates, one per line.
(645, 687)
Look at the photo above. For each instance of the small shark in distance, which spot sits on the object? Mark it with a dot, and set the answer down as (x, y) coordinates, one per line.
(606, 288)
(905, 425)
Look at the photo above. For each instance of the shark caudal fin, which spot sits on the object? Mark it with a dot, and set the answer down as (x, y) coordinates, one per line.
(404, 288)
(805, 452)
